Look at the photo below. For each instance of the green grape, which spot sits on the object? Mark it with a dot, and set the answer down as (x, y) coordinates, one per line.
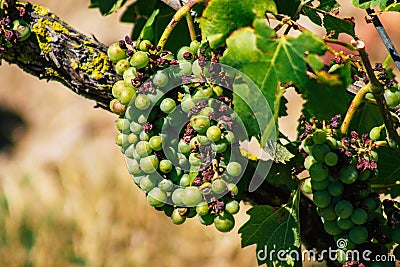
(182, 54)
(358, 235)
(364, 176)
(136, 128)
(307, 189)
(232, 207)
(224, 222)
(133, 166)
(218, 186)
(143, 148)
(336, 188)
(187, 104)
(185, 67)
(319, 136)
(375, 133)
(142, 102)
(155, 143)
(165, 166)
(156, 197)
(202, 208)
(203, 140)
(121, 66)
(194, 46)
(207, 219)
(194, 160)
(116, 53)
(22, 28)
(129, 75)
(139, 60)
(214, 133)
(183, 147)
(122, 124)
(143, 136)
(345, 224)
(121, 139)
(233, 189)
(229, 137)
(219, 147)
(196, 69)
(129, 151)
(322, 198)
(146, 183)
(165, 185)
(177, 218)
(167, 105)
(132, 138)
(359, 216)
(331, 159)
(319, 185)
(332, 228)
(191, 196)
(396, 252)
(149, 164)
(392, 97)
(117, 88)
(142, 119)
(348, 174)
(200, 123)
(126, 95)
(185, 180)
(234, 169)
(145, 45)
(328, 213)
(318, 172)
(344, 209)
(309, 161)
(160, 79)
(319, 151)
(182, 160)
(177, 196)
(374, 155)
(370, 204)
(341, 256)
(332, 142)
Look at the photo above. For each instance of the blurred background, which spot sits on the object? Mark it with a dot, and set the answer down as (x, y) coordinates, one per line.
(66, 197)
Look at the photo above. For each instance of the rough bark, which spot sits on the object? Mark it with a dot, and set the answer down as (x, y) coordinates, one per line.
(56, 51)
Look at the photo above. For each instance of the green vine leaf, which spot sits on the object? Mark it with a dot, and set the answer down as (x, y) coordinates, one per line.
(393, 7)
(107, 7)
(388, 170)
(328, 5)
(147, 32)
(372, 3)
(274, 229)
(221, 17)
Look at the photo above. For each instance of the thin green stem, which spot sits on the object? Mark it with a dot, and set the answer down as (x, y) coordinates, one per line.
(190, 25)
(176, 18)
(344, 44)
(355, 103)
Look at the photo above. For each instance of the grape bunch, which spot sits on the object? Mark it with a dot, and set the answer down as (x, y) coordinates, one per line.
(340, 172)
(178, 131)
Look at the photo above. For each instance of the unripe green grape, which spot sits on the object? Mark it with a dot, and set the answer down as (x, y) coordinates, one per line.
(177, 196)
(341, 256)
(165, 166)
(319, 151)
(336, 188)
(167, 105)
(143, 136)
(121, 139)
(194, 46)
(194, 160)
(129, 151)
(191, 196)
(126, 95)
(309, 161)
(182, 160)
(133, 166)
(369, 203)
(135, 128)
(219, 146)
(358, 235)
(344, 209)
(203, 140)
(375, 133)
(160, 79)
(194, 142)
(218, 186)
(139, 60)
(145, 45)
(374, 156)
(185, 180)
(182, 51)
(319, 185)
(165, 185)
(143, 148)
(322, 198)
(22, 28)
(142, 102)
(331, 159)
(155, 143)
(129, 75)
(307, 189)
(224, 222)
(319, 136)
(365, 175)
(196, 69)
(392, 97)
(318, 172)
(332, 142)
(202, 208)
(177, 218)
(149, 164)
(229, 137)
(345, 224)
(232, 207)
(214, 133)
(122, 124)
(183, 147)
(146, 183)
(117, 88)
(187, 104)
(185, 67)
(156, 197)
(207, 219)
(121, 66)
(200, 123)
(328, 213)
(332, 228)
(348, 174)
(116, 53)
(359, 216)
